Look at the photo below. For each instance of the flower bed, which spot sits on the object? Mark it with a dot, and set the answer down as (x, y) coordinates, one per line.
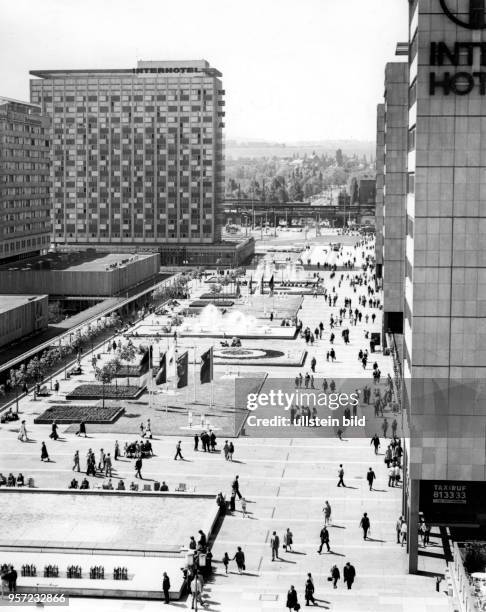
(95, 392)
(75, 414)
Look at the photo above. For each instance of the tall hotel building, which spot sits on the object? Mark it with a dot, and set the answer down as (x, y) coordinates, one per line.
(137, 156)
(444, 355)
(25, 205)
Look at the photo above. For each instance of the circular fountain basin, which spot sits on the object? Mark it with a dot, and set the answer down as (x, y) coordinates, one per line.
(239, 352)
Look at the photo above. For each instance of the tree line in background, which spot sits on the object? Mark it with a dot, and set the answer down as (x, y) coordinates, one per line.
(296, 179)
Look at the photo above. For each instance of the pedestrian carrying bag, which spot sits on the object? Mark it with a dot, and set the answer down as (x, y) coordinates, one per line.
(297, 607)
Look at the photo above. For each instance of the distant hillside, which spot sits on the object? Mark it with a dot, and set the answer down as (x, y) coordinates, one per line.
(239, 148)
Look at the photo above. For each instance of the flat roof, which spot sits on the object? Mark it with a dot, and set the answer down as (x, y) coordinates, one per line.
(11, 302)
(161, 67)
(78, 261)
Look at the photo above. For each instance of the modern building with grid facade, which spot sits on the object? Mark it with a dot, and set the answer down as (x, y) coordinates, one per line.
(444, 354)
(25, 205)
(137, 155)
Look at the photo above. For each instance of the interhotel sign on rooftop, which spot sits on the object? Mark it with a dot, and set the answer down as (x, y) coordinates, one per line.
(465, 54)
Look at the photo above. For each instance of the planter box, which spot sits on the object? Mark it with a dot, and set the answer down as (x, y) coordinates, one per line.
(95, 392)
(66, 415)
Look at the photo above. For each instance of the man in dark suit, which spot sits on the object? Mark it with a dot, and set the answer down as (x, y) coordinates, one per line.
(324, 535)
(12, 579)
(166, 587)
(349, 574)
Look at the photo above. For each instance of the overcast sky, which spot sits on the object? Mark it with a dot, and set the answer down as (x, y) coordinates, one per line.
(292, 70)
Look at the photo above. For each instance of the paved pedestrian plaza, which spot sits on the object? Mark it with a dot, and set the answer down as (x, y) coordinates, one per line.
(285, 479)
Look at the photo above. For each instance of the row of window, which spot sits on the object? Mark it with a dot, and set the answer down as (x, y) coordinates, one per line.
(22, 244)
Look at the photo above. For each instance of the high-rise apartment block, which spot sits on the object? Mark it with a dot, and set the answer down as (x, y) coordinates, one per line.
(137, 155)
(25, 204)
(395, 132)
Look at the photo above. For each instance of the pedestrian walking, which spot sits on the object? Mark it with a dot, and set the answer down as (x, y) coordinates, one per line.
(335, 575)
(349, 574)
(243, 506)
(76, 466)
(166, 587)
(138, 468)
(403, 533)
(236, 487)
(292, 599)
(398, 528)
(226, 450)
(54, 435)
(239, 558)
(375, 441)
(384, 427)
(309, 591)
(23, 432)
(196, 441)
(274, 545)
(225, 561)
(231, 451)
(82, 429)
(324, 537)
(370, 477)
(44, 453)
(196, 587)
(178, 454)
(341, 476)
(117, 450)
(288, 540)
(327, 513)
(108, 466)
(365, 525)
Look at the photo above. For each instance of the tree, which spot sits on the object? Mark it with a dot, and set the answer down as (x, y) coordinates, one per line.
(17, 378)
(35, 370)
(295, 191)
(105, 375)
(127, 353)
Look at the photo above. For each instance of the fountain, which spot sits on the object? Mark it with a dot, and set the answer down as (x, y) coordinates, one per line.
(213, 323)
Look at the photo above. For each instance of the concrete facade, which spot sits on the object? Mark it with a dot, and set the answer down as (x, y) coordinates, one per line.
(394, 194)
(380, 180)
(25, 205)
(137, 153)
(445, 293)
(21, 315)
(71, 274)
